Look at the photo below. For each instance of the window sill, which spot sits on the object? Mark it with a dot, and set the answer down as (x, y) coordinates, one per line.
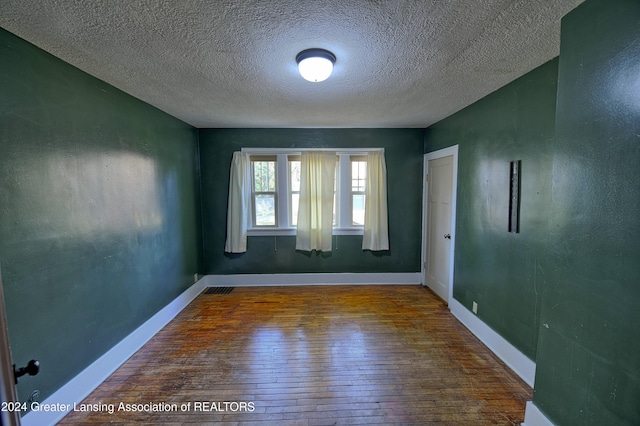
(266, 232)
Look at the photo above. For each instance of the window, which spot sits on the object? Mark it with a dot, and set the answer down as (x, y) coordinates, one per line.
(275, 191)
(294, 188)
(358, 185)
(263, 191)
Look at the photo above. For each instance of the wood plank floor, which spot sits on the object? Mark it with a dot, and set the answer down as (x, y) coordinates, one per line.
(315, 355)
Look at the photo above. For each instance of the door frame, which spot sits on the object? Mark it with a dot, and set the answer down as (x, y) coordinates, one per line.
(8, 392)
(445, 152)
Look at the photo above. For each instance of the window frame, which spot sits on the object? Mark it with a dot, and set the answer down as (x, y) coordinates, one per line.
(343, 199)
(291, 158)
(352, 192)
(255, 193)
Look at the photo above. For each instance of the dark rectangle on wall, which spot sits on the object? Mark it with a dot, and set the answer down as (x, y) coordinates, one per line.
(514, 196)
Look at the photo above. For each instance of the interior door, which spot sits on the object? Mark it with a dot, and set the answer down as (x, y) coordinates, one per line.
(439, 205)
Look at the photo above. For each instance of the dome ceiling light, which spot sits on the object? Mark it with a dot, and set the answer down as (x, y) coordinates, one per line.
(315, 65)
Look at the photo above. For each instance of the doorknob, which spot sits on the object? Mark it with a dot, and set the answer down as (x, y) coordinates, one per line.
(32, 368)
(447, 236)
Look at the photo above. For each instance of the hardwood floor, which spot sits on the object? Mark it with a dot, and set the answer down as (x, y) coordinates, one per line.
(315, 355)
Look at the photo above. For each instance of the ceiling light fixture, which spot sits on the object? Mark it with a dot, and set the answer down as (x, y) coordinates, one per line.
(315, 65)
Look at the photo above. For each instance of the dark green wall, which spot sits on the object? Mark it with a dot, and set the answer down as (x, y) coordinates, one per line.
(503, 272)
(403, 154)
(99, 212)
(588, 369)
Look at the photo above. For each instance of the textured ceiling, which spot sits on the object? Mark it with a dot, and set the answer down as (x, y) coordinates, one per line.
(231, 63)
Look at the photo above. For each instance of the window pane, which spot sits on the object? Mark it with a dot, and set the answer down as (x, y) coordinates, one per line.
(294, 190)
(295, 201)
(265, 210)
(264, 175)
(358, 185)
(295, 175)
(358, 175)
(335, 194)
(357, 201)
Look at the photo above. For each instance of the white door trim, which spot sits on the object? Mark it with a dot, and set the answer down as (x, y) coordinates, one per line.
(8, 392)
(451, 151)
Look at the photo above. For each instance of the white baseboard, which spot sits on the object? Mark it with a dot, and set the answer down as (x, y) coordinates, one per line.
(534, 417)
(516, 360)
(240, 280)
(84, 383)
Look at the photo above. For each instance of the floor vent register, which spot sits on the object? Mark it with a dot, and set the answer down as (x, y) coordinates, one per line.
(218, 290)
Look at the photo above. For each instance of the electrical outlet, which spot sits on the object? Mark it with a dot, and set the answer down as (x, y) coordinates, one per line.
(195, 278)
(475, 308)
(33, 397)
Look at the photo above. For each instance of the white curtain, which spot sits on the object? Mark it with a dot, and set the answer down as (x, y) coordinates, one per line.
(238, 206)
(376, 233)
(315, 212)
